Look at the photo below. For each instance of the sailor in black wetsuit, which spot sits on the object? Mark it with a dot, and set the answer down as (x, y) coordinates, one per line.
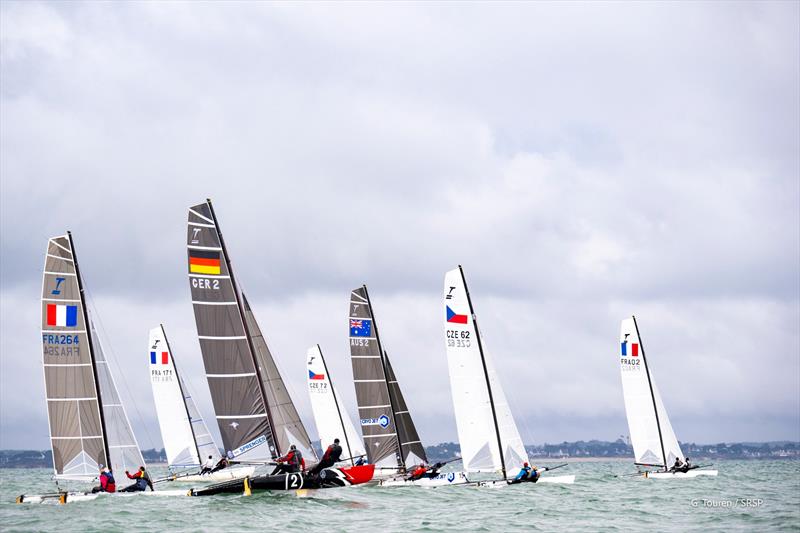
(332, 455)
(678, 466)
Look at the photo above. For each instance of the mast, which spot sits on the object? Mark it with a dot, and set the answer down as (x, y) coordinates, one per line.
(385, 379)
(336, 403)
(652, 395)
(183, 395)
(236, 294)
(485, 373)
(91, 352)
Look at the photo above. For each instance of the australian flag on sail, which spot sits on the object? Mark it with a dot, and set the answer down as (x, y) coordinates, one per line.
(360, 327)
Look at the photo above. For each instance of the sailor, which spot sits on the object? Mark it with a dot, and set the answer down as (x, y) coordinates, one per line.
(142, 481)
(533, 477)
(418, 472)
(208, 466)
(679, 465)
(361, 461)
(331, 456)
(222, 463)
(107, 483)
(687, 466)
(291, 462)
(523, 474)
(433, 471)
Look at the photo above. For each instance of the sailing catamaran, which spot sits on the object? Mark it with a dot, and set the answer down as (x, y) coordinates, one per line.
(256, 416)
(654, 441)
(390, 436)
(187, 441)
(331, 418)
(488, 435)
(89, 428)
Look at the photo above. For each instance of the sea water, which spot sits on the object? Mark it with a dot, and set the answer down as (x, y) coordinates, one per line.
(747, 495)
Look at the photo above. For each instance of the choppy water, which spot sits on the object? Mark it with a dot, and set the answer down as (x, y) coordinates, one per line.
(596, 502)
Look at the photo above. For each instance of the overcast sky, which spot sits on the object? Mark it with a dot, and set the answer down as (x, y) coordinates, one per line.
(583, 162)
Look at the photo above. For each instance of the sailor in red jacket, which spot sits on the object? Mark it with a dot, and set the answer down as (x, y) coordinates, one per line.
(291, 462)
(142, 481)
(418, 472)
(107, 483)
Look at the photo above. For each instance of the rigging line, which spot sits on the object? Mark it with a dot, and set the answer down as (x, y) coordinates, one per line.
(115, 360)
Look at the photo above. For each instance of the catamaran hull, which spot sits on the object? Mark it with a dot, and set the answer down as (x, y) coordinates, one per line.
(440, 480)
(228, 474)
(680, 475)
(560, 480)
(328, 478)
(74, 497)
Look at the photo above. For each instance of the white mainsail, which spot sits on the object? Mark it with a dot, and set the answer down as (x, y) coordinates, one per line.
(654, 442)
(332, 419)
(483, 417)
(186, 438)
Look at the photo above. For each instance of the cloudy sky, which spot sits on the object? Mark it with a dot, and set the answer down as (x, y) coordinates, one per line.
(583, 162)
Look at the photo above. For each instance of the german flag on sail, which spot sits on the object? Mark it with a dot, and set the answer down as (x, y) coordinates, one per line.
(203, 262)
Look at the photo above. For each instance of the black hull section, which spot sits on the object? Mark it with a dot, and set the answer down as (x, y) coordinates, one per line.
(328, 478)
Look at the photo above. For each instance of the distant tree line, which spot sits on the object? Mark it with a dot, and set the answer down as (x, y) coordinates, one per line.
(450, 450)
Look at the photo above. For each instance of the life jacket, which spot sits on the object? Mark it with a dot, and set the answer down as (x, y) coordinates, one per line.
(107, 482)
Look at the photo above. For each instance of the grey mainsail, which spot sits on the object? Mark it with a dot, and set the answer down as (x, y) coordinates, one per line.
(411, 448)
(77, 435)
(237, 391)
(286, 424)
(389, 433)
(372, 393)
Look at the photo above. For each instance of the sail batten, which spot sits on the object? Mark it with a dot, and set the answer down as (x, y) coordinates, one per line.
(652, 437)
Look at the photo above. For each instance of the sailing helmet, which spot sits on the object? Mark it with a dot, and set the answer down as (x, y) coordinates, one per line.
(336, 441)
(292, 447)
(525, 464)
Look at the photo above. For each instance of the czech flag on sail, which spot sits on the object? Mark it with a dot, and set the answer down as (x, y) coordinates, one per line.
(312, 375)
(164, 358)
(204, 262)
(62, 315)
(360, 327)
(454, 317)
(634, 349)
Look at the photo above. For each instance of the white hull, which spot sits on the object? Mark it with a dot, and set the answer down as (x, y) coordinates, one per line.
(226, 474)
(441, 480)
(680, 475)
(562, 480)
(72, 497)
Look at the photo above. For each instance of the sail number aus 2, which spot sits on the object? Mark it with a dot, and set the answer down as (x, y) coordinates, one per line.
(358, 342)
(458, 338)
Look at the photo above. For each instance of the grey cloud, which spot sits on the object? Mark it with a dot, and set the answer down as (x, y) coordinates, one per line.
(582, 161)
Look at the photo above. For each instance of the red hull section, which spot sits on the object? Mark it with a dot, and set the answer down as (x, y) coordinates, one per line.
(359, 474)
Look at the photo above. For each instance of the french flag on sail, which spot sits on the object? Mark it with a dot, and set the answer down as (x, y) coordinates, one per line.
(164, 358)
(312, 375)
(62, 315)
(634, 349)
